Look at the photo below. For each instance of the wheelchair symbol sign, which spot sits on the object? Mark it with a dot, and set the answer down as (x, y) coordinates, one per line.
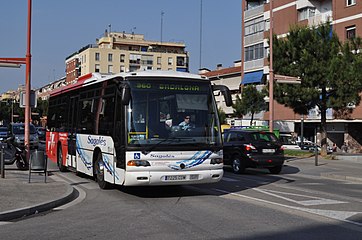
(137, 156)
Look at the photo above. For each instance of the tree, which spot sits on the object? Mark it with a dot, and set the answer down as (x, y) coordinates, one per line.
(222, 115)
(329, 71)
(251, 101)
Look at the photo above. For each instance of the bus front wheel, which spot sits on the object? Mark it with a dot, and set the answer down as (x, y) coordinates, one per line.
(99, 171)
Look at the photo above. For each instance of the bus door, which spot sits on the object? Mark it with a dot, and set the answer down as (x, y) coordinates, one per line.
(72, 132)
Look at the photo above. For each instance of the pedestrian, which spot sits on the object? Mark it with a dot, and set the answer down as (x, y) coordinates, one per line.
(334, 148)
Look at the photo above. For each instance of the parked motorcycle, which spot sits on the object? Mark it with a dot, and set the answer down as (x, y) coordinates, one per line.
(18, 156)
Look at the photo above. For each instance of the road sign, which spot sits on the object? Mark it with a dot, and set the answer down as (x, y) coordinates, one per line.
(33, 100)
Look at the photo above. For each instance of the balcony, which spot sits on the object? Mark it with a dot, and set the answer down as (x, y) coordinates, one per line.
(320, 19)
(254, 12)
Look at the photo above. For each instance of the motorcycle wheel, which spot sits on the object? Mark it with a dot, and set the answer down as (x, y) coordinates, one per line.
(22, 165)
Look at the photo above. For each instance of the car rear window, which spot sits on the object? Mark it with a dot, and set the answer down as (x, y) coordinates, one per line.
(264, 136)
(20, 129)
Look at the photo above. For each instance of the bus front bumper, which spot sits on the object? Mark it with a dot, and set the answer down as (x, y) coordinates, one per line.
(172, 178)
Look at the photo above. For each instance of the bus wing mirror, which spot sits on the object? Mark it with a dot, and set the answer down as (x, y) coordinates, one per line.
(225, 92)
(125, 93)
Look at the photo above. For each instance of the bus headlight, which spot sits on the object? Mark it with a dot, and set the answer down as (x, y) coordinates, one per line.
(138, 163)
(216, 161)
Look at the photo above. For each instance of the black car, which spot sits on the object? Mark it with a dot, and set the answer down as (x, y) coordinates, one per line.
(252, 149)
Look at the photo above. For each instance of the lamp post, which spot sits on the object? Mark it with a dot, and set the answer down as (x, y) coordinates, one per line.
(271, 71)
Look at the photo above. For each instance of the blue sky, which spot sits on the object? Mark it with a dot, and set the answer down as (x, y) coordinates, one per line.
(60, 28)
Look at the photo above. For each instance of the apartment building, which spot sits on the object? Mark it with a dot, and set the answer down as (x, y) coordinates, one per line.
(346, 18)
(117, 52)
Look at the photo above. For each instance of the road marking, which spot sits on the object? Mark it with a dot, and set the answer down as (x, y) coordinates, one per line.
(313, 202)
(336, 215)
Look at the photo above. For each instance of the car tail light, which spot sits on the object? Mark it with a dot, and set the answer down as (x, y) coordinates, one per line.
(249, 147)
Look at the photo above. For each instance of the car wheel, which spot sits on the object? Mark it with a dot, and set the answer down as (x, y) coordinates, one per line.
(238, 166)
(275, 170)
(99, 172)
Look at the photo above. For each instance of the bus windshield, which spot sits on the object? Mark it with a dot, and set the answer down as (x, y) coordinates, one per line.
(163, 114)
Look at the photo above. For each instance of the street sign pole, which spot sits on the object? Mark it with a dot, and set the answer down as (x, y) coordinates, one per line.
(28, 85)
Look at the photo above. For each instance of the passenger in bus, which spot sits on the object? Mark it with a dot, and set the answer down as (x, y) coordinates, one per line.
(186, 124)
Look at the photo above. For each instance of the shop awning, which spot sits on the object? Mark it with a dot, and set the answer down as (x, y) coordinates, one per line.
(252, 77)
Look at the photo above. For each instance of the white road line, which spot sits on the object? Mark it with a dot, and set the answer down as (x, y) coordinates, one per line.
(313, 202)
(336, 215)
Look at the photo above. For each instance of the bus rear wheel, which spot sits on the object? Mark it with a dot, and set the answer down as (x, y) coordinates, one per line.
(61, 167)
(99, 172)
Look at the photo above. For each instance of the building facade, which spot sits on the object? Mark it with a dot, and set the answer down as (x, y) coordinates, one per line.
(346, 19)
(117, 52)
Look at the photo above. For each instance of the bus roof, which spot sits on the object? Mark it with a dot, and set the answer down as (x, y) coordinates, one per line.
(92, 78)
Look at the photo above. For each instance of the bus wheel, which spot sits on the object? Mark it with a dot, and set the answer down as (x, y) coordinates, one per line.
(99, 171)
(61, 167)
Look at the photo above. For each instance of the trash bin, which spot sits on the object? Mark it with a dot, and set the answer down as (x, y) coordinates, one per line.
(38, 163)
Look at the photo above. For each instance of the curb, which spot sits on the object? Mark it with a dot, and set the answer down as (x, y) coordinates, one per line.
(70, 195)
(341, 177)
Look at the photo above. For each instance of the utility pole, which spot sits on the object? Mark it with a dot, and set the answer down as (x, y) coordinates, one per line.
(271, 71)
(15, 62)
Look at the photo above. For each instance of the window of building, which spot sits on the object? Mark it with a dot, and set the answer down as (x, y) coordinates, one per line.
(96, 68)
(110, 57)
(350, 2)
(159, 60)
(254, 4)
(305, 13)
(122, 69)
(134, 59)
(122, 56)
(110, 68)
(180, 61)
(351, 32)
(97, 56)
(170, 61)
(254, 52)
(254, 26)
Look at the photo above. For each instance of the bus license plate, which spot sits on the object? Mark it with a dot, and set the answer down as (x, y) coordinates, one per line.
(268, 150)
(175, 178)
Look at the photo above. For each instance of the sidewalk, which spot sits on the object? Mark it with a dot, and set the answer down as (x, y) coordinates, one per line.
(18, 198)
(342, 167)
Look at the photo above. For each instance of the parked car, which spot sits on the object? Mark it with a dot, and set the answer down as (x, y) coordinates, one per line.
(17, 135)
(288, 142)
(41, 133)
(3, 133)
(252, 149)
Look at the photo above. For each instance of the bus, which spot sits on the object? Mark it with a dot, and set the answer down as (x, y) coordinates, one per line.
(124, 129)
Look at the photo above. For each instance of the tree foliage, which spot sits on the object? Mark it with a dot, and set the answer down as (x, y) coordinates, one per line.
(330, 71)
(222, 115)
(251, 101)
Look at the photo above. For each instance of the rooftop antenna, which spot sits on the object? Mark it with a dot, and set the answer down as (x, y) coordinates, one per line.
(109, 26)
(162, 13)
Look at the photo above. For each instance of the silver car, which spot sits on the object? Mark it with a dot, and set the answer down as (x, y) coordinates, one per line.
(17, 135)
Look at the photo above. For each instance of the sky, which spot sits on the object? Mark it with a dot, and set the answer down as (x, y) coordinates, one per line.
(60, 28)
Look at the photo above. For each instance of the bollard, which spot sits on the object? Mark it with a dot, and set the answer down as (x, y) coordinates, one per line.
(315, 148)
(2, 165)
